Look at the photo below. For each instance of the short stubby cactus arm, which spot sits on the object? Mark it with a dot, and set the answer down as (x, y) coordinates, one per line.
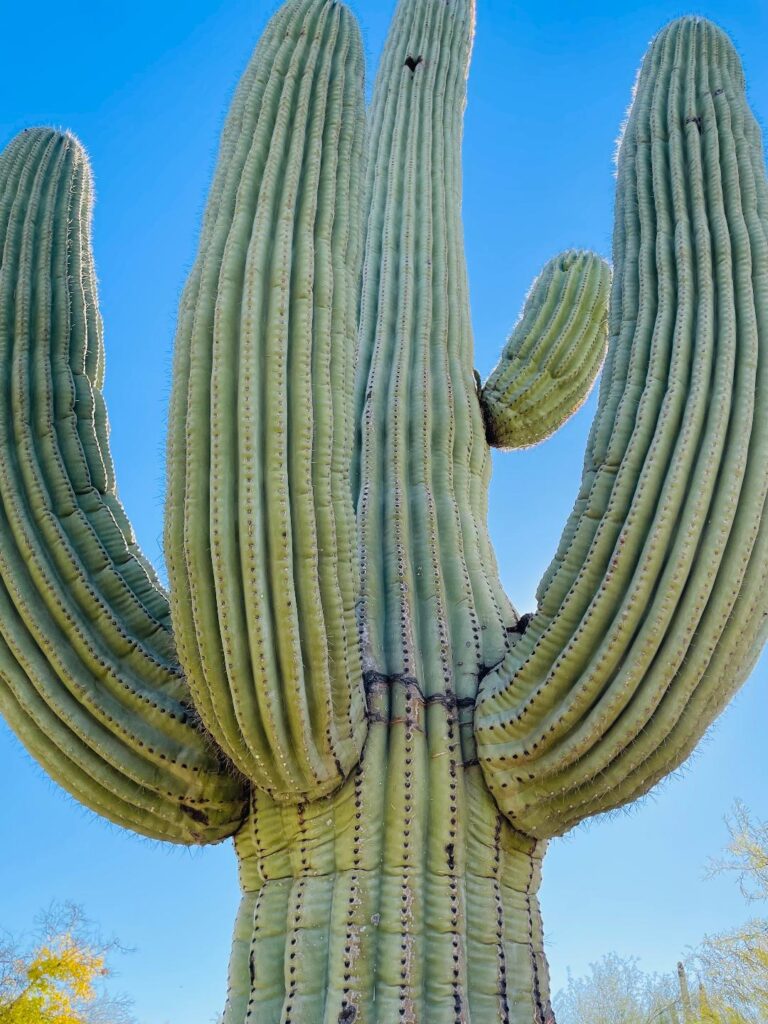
(89, 679)
(552, 358)
(654, 608)
(261, 539)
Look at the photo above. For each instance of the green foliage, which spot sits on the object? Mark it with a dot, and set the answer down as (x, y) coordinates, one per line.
(746, 854)
(732, 967)
(59, 978)
(617, 991)
(724, 980)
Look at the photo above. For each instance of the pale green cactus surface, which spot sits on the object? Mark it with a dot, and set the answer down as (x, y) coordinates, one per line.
(337, 679)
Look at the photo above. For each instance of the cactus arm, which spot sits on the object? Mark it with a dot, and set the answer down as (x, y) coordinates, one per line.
(549, 364)
(88, 675)
(654, 608)
(261, 537)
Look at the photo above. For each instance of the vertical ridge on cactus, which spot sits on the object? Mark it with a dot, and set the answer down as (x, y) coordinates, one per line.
(355, 700)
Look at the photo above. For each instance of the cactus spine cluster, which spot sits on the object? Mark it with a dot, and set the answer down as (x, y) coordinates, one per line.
(337, 679)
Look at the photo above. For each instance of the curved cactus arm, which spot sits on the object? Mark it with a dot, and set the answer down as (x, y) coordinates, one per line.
(551, 361)
(88, 676)
(261, 537)
(654, 608)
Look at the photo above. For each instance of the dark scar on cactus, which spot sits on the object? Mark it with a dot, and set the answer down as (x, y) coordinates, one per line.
(413, 62)
(376, 681)
(694, 119)
(521, 625)
(485, 670)
(195, 814)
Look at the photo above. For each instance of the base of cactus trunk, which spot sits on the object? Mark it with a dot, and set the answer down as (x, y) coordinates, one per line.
(349, 918)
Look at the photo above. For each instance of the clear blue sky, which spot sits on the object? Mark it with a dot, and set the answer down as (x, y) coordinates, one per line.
(145, 85)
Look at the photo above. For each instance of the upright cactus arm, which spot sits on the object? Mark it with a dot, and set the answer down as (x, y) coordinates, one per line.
(654, 608)
(88, 675)
(261, 537)
(554, 354)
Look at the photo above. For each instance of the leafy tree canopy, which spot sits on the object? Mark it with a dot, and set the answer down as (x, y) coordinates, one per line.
(724, 980)
(58, 978)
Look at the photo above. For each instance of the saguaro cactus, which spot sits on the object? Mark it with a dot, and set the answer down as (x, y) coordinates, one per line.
(338, 680)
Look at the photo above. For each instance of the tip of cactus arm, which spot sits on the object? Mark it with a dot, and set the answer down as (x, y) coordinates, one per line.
(554, 354)
(717, 43)
(345, 15)
(704, 25)
(344, 8)
(691, 20)
(30, 140)
(713, 44)
(36, 133)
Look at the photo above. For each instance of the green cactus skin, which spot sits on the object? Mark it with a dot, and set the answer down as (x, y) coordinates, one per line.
(360, 706)
(553, 356)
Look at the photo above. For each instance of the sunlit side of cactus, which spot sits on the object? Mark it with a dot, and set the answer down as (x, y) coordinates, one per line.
(337, 679)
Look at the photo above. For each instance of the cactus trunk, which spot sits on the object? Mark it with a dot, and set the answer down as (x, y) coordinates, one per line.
(339, 923)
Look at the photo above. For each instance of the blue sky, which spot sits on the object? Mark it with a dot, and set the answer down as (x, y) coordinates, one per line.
(145, 86)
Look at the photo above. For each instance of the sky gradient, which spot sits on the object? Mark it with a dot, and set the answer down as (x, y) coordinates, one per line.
(145, 87)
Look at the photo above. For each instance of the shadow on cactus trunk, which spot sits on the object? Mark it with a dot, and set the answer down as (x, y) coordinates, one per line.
(337, 679)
